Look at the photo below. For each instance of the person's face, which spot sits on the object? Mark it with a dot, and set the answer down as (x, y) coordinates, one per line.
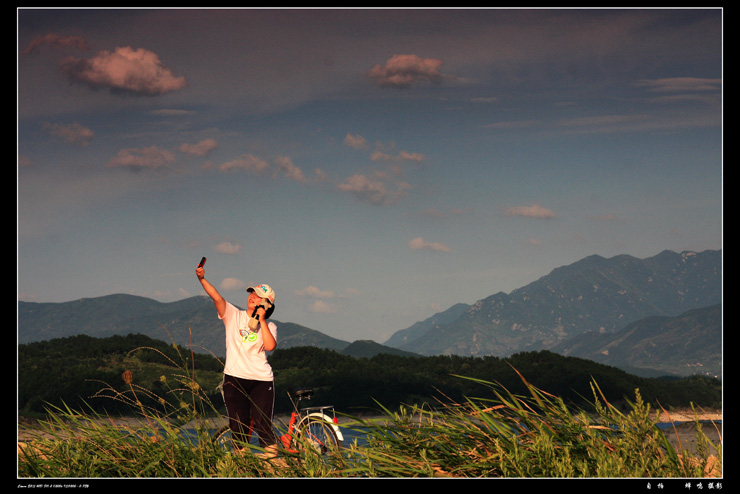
(253, 300)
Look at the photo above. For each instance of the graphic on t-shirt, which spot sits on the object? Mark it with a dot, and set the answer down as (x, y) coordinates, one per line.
(247, 335)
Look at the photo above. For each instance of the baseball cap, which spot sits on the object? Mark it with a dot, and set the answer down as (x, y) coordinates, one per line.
(263, 291)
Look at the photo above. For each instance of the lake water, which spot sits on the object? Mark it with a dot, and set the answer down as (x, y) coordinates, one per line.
(349, 435)
(686, 430)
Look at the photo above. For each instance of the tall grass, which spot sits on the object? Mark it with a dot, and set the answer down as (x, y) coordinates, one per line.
(168, 436)
(503, 435)
(523, 437)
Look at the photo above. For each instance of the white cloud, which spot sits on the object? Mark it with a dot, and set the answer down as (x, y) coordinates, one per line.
(419, 243)
(140, 159)
(355, 141)
(322, 307)
(379, 155)
(402, 71)
(201, 148)
(73, 133)
(57, 41)
(229, 284)
(125, 70)
(533, 211)
(312, 291)
(373, 190)
(681, 84)
(288, 169)
(248, 163)
(228, 248)
(318, 304)
(415, 157)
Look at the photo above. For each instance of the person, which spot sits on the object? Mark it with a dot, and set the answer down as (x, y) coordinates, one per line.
(248, 385)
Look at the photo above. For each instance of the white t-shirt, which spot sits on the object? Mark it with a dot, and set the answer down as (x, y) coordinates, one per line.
(245, 353)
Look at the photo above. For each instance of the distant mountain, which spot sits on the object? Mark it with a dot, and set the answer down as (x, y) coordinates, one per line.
(684, 345)
(564, 311)
(594, 294)
(293, 335)
(114, 314)
(369, 348)
(401, 338)
(190, 320)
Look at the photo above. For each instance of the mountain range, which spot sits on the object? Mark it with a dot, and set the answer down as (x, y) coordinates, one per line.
(594, 294)
(661, 314)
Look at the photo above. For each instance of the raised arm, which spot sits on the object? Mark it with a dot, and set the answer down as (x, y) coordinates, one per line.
(218, 300)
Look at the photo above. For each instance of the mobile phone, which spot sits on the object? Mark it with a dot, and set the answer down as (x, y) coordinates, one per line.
(202, 262)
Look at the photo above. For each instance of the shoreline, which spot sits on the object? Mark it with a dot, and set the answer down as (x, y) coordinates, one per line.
(687, 416)
(681, 419)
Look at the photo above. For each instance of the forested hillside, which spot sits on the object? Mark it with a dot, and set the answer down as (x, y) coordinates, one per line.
(72, 370)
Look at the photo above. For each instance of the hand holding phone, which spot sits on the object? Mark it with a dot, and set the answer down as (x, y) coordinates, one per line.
(199, 271)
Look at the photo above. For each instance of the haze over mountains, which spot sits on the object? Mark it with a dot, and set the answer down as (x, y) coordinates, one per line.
(656, 315)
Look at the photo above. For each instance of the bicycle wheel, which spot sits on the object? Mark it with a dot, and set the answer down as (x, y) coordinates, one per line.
(222, 437)
(315, 434)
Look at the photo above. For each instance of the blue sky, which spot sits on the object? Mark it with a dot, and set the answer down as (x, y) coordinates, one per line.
(373, 166)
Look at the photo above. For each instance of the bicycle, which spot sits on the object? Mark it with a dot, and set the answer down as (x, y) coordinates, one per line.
(313, 428)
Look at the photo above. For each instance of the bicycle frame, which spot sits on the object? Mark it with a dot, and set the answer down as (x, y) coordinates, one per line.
(301, 420)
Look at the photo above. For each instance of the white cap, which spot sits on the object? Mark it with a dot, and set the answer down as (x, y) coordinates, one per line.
(263, 291)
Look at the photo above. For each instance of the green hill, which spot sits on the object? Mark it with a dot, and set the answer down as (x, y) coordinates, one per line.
(72, 370)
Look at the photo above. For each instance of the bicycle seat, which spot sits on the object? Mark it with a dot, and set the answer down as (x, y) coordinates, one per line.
(303, 393)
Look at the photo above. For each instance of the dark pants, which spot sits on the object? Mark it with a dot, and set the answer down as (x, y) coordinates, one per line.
(250, 404)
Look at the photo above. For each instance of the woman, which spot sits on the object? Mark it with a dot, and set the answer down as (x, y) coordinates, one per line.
(248, 388)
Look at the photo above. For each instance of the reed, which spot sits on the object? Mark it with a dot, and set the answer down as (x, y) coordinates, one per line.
(527, 436)
(168, 434)
(501, 435)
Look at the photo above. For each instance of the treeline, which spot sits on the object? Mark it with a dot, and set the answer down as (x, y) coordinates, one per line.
(72, 370)
(356, 384)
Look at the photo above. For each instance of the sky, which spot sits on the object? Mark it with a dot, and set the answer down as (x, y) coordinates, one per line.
(373, 166)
